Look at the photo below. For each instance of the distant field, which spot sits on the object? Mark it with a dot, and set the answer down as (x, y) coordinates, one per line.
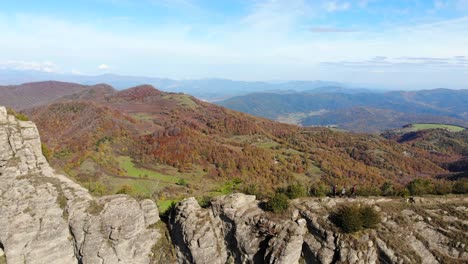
(422, 126)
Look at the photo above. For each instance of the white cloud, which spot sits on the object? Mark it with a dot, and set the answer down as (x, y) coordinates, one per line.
(270, 42)
(103, 67)
(45, 66)
(335, 6)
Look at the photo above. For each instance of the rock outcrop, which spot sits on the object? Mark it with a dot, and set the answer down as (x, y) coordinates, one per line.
(234, 229)
(47, 218)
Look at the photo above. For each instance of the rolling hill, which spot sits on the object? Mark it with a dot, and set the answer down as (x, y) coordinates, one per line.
(150, 142)
(38, 93)
(361, 112)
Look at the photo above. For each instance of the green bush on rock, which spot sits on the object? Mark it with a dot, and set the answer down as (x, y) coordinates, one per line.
(353, 218)
(278, 203)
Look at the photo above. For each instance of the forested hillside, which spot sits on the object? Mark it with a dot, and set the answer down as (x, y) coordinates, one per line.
(361, 112)
(148, 142)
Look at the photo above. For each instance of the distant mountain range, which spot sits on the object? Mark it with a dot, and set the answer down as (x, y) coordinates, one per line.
(205, 89)
(361, 111)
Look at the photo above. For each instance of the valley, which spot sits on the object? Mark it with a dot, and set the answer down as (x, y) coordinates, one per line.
(362, 111)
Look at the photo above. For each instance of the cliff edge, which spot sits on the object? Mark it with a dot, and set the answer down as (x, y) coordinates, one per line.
(47, 218)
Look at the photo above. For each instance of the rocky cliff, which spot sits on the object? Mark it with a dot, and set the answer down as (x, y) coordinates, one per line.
(47, 218)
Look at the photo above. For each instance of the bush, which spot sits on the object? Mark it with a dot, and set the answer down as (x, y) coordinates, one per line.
(370, 217)
(403, 192)
(460, 187)
(46, 152)
(125, 189)
(348, 218)
(353, 218)
(320, 190)
(368, 191)
(252, 189)
(295, 191)
(420, 187)
(442, 187)
(96, 188)
(204, 201)
(19, 116)
(387, 189)
(181, 182)
(278, 203)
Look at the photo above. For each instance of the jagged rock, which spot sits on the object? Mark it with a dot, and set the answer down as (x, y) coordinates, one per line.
(235, 229)
(47, 218)
(197, 234)
(112, 229)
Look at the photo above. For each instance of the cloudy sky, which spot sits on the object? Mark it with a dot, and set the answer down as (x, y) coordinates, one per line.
(398, 43)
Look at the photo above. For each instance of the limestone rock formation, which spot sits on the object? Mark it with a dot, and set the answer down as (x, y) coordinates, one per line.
(47, 218)
(234, 229)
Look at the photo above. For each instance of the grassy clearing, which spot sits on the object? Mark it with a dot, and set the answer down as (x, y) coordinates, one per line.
(296, 118)
(182, 100)
(127, 164)
(142, 116)
(267, 144)
(422, 126)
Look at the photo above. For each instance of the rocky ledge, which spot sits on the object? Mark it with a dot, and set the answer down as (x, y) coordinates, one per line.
(47, 218)
(235, 230)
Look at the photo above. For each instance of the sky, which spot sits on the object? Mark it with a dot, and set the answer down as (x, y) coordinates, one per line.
(409, 44)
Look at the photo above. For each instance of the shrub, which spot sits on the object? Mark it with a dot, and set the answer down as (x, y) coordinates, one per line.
(403, 192)
(320, 190)
(125, 189)
(295, 191)
(19, 116)
(96, 188)
(368, 191)
(420, 187)
(278, 203)
(181, 182)
(370, 217)
(442, 187)
(348, 218)
(353, 218)
(46, 152)
(204, 201)
(460, 187)
(252, 189)
(387, 189)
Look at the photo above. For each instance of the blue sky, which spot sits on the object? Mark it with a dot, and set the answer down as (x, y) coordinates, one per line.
(401, 44)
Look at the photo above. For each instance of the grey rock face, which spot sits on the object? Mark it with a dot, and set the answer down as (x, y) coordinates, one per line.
(241, 232)
(47, 218)
(234, 230)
